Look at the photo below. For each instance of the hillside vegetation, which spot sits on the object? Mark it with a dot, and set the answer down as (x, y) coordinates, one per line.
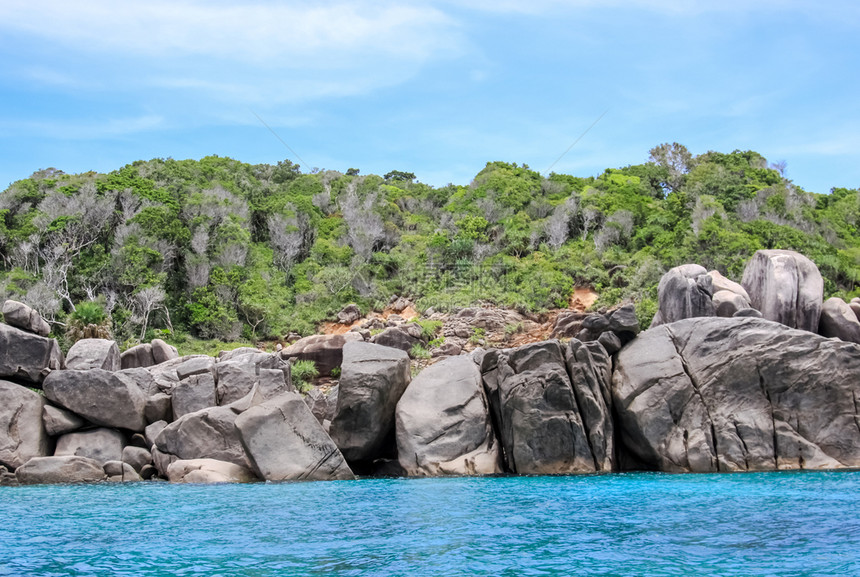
(217, 248)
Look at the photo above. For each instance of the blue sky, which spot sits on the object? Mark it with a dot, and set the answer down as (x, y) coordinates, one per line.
(435, 88)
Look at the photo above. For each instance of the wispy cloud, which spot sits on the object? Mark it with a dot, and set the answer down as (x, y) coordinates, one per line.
(275, 34)
(103, 128)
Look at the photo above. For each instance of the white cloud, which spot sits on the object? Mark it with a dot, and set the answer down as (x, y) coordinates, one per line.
(105, 128)
(274, 34)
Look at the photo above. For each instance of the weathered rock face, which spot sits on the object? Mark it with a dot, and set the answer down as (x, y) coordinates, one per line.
(738, 394)
(727, 304)
(26, 357)
(68, 469)
(230, 355)
(838, 320)
(99, 396)
(60, 421)
(684, 292)
(590, 370)
(208, 471)
(236, 378)
(285, 442)
(397, 338)
(207, 434)
(540, 424)
(372, 380)
(195, 365)
(324, 350)
(94, 354)
(192, 394)
(322, 405)
(162, 352)
(139, 356)
(25, 318)
(721, 283)
(786, 287)
(100, 445)
(22, 433)
(443, 423)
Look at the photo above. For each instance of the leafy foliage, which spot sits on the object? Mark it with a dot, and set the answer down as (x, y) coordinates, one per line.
(219, 249)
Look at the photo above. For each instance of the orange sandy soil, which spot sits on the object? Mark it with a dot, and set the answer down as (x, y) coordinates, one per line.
(538, 329)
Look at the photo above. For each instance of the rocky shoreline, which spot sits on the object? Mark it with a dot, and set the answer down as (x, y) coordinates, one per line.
(755, 376)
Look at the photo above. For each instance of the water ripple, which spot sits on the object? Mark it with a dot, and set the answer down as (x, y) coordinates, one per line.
(629, 524)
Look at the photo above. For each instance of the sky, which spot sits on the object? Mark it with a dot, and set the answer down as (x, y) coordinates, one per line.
(438, 88)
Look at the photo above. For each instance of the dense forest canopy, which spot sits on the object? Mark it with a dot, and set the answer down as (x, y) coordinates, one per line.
(217, 248)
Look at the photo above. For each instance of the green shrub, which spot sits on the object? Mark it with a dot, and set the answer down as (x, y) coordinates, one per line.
(419, 352)
(303, 372)
(429, 328)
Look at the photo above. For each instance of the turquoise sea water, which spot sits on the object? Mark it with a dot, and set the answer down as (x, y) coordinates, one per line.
(624, 524)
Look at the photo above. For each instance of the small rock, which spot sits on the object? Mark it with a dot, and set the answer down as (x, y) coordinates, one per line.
(349, 314)
(137, 457)
(610, 342)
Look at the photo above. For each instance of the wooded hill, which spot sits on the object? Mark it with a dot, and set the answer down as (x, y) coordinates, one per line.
(217, 248)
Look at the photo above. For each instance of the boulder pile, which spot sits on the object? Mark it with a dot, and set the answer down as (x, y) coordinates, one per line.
(731, 377)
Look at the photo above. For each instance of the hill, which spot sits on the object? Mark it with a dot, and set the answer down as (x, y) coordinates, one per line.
(220, 249)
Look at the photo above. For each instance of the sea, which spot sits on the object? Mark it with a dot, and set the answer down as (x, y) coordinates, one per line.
(786, 524)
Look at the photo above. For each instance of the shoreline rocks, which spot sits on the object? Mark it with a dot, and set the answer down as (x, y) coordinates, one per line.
(711, 387)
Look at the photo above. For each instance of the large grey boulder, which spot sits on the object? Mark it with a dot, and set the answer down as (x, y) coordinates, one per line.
(786, 287)
(27, 358)
(60, 421)
(398, 338)
(159, 407)
(324, 350)
(100, 444)
(838, 320)
(236, 378)
(99, 396)
(727, 304)
(443, 423)
(589, 368)
(285, 442)
(231, 354)
(684, 292)
(137, 457)
(120, 472)
(22, 432)
(25, 318)
(192, 394)
(721, 283)
(94, 354)
(162, 352)
(540, 425)
(208, 471)
(52, 470)
(195, 365)
(207, 434)
(145, 381)
(139, 356)
(740, 394)
(372, 380)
